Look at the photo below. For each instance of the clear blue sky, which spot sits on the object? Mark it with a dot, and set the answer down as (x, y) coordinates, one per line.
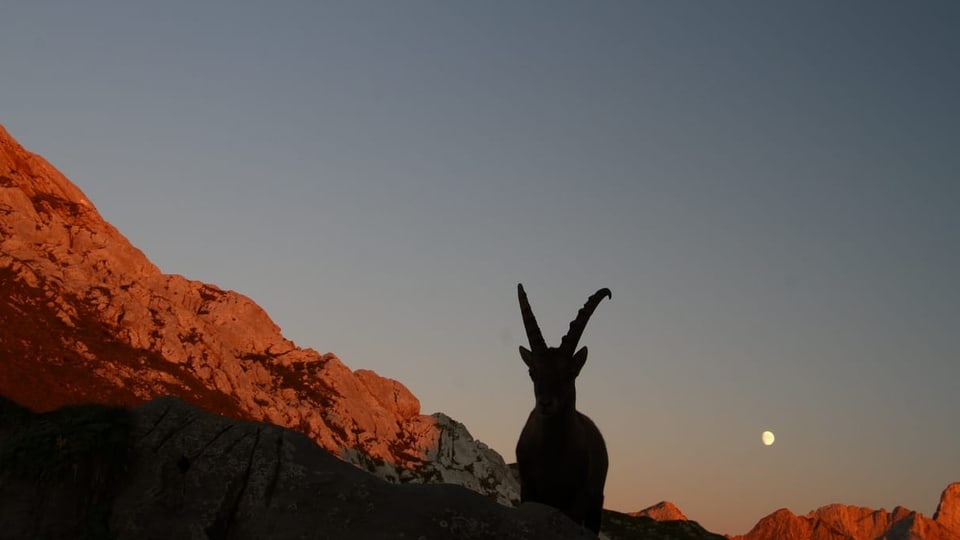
(772, 193)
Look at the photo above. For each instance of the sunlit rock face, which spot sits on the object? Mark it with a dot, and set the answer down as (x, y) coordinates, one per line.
(844, 522)
(948, 511)
(86, 317)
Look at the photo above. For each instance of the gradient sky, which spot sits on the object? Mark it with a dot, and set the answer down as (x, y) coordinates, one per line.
(772, 193)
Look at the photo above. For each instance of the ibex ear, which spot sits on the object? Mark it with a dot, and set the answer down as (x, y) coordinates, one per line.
(527, 357)
(579, 359)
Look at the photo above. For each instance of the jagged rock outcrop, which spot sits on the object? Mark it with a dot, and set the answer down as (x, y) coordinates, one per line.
(169, 470)
(844, 522)
(662, 511)
(948, 511)
(86, 317)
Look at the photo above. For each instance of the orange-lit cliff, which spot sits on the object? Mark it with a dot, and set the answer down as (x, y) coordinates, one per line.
(86, 317)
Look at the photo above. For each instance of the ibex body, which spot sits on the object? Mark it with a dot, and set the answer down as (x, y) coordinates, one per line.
(561, 454)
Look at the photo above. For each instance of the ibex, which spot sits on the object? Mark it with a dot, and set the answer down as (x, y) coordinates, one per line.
(561, 454)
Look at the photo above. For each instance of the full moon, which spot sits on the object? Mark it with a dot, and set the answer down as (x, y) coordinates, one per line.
(767, 438)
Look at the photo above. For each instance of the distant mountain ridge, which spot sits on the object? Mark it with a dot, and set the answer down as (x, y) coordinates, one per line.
(843, 522)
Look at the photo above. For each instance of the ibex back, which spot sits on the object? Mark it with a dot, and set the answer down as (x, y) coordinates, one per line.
(561, 454)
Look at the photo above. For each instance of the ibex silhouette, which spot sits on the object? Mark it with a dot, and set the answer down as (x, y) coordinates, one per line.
(561, 455)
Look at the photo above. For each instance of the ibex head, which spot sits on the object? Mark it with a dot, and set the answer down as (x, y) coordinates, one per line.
(554, 369)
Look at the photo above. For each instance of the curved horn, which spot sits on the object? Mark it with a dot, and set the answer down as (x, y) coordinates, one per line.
(569, 342)
(537, 343)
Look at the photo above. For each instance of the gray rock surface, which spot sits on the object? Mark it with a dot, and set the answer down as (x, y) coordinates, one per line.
(169, 470)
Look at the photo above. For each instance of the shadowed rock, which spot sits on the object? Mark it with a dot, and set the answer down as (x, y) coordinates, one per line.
(169, 470)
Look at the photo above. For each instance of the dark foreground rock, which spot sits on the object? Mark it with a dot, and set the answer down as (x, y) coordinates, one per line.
(169, 470)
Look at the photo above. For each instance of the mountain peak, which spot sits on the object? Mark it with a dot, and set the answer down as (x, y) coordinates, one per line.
(662, 511)
(40, 180)
(846, 522)
(49, 229)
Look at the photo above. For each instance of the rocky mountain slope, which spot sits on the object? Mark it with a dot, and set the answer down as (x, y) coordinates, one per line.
(86, 317)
